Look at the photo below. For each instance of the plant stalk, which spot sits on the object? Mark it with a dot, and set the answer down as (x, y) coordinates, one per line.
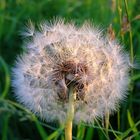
(70, 115)
(130, 34)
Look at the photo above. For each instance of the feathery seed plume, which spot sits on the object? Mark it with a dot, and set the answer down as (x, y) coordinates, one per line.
(60, 55)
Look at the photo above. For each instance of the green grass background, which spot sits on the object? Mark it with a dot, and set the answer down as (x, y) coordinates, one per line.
(18, 123)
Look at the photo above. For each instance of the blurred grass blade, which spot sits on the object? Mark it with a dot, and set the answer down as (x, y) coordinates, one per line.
(89, 134)
(130, 34)
(125, 134)
(131, 122)
(118, 120)
(102, 130)
(114, 132)
(7, 78)
(137, 17)
(55, 134)
(62, 137)
(135, 136)
(101, 136)
(5, 127)
(40, 128)
(99, 127)
(80, 132)
(135, 77)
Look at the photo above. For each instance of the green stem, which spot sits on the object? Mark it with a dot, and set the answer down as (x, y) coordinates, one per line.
(130, 33)
(131, 51)
(120, 18)
(107, 122)
(118, 119)
(5, 127)
(7, 78)
(70, 115)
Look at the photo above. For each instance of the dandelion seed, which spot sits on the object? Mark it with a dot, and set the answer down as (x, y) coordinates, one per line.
(29, 30)
(60, 55)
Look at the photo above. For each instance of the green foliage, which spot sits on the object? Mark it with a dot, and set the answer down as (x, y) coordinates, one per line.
(18, 123)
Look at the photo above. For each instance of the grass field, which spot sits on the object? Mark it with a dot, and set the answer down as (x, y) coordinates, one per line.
(18, 123)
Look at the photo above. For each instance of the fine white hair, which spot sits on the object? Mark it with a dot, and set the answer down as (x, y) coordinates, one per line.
(58, 42)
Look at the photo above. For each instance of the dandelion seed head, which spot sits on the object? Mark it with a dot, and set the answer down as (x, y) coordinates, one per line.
(61, 54)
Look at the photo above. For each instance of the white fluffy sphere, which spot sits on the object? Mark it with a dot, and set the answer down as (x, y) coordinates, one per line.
(59, 54)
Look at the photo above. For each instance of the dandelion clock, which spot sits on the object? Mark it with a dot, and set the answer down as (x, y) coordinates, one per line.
(70, 74)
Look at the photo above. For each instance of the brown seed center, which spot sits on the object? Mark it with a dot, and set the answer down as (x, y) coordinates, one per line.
(70, 73)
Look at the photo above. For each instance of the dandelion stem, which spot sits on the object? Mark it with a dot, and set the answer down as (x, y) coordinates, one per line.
(107, 122)
(70, 114)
